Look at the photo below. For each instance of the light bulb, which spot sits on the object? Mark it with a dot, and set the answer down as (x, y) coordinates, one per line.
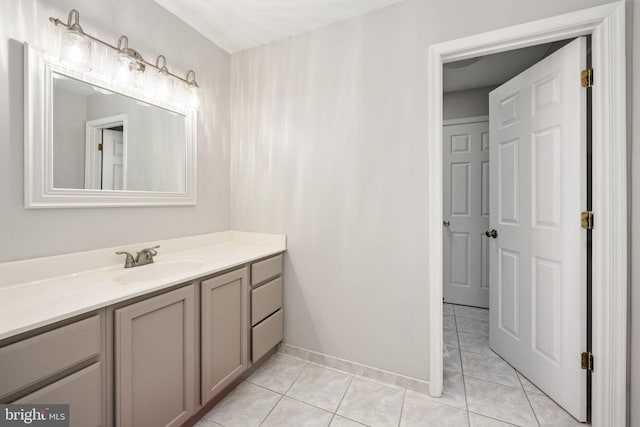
(194, 95)
(76, 50)
(123, 69)
(164, 87)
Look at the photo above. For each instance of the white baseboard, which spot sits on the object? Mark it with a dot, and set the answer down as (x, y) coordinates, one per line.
(365, 371)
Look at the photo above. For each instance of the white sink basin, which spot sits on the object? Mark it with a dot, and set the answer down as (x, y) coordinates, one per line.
(158, 270)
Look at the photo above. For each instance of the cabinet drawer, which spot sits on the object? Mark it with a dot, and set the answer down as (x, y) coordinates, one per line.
(82, 391)
(26, 362)
(266, 335)
(265, 300)
(265, 270)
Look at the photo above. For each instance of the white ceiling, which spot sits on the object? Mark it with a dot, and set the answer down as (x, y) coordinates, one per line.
(236, 25)
(494, 69)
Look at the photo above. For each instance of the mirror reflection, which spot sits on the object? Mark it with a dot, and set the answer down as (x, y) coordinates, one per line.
(107, 141)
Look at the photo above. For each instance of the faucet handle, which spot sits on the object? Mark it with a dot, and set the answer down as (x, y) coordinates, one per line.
(130, 262)
(145, 256)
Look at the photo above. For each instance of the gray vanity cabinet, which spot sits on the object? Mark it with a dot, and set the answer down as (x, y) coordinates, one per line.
(224, 352)
(266, 306)
(155, 341)
(63, 364)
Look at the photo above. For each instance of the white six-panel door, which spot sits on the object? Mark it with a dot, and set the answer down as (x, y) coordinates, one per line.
(466, 213)
(112, 159)
(538, 260)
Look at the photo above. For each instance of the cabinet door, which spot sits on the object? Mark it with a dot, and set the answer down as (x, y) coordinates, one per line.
(154, 361)
(82, 391)
(224, 330)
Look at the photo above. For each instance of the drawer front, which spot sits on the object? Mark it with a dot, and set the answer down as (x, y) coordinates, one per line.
(266, 335)
(82, 391)
(265, 300)
(34, 359)
(265, 270)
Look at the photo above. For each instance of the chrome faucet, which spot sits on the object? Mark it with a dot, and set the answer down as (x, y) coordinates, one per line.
(145, 256)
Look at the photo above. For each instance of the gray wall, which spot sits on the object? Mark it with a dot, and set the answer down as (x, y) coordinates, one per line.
(152, 30)
(466, 103)
(328, 132)
(69, 134)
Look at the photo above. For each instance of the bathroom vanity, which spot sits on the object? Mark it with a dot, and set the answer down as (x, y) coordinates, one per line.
(151, 351)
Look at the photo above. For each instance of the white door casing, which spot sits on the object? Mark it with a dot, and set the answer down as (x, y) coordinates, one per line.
(112, 159)
(606, 25)
(466, 213)
(538, 260)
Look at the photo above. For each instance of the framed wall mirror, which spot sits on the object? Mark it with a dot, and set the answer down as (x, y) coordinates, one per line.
(91, 142)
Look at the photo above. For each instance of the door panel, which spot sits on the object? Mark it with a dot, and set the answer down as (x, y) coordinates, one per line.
(466, 208)
(538, 260)
(154, 358)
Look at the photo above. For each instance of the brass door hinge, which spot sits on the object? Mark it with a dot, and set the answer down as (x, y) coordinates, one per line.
(99, 147)
(586, 220)
(586, 361)
(586, 77)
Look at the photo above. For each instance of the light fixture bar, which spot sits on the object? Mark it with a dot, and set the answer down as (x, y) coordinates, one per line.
(57, 22)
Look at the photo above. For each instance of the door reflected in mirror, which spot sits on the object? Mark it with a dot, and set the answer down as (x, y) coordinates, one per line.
(108, 141)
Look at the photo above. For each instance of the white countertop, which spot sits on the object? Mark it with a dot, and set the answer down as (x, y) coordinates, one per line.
(26, 306)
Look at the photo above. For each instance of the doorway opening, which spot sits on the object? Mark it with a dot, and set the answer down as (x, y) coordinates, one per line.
(606, 26)
(537, 133)
(106, 153)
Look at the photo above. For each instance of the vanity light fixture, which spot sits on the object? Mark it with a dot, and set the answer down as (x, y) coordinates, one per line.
(76, 46)
(165, 82)
(128, 63)
(194, 90)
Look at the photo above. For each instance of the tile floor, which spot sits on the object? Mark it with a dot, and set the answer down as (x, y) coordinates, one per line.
(480, 389)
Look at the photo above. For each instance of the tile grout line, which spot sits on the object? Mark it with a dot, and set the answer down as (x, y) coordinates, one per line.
(282, 395)
(404, 398)
(464, 386)
(493, 418)
(342, 398)
(464, 383)
(535, 416)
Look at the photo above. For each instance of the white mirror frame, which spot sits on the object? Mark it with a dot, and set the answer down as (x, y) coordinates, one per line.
(39, 191)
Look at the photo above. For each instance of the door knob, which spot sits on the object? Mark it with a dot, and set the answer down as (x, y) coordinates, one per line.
(446, 223)
(491, 233)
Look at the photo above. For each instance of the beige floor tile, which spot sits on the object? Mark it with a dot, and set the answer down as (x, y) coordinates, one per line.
(206, 423)
(549, 413)
(247, 405)
(528, 385)
(472, 312)
(476, 420)
(450, 339)
(372, 403)
(489, 368)
(452, 391)
(447, 308)
(419, 411)
(278, 373)
(475, 343)
(290, 412)
(449, 321)
(452, 360)
(473, 326)
(339, 421)
(498, 401)
(320, 387)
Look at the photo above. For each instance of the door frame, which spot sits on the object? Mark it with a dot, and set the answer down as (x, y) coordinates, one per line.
(606, 25)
